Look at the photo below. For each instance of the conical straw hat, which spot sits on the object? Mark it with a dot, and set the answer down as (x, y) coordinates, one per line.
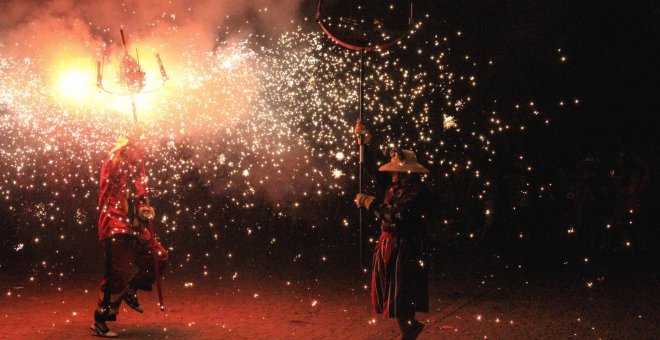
(403, 161)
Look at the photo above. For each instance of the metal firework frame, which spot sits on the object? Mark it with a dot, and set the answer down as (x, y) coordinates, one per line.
(131, 75)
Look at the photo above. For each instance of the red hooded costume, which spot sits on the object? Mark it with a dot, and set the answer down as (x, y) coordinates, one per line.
(122, 176)
(126, 243)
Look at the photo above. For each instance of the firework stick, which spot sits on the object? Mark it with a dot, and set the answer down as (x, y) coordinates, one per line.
(163, 74)
(123, 41)
(135, 118)
(99, 75)
(361, 151)
(154, 252)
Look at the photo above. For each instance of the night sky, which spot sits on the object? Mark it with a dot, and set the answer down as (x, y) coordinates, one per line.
(611, 62)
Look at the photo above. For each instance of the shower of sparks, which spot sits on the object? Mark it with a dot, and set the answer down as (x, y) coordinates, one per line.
(449, 122)
(264, 117)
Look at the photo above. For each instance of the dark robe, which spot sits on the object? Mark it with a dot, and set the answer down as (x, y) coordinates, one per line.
(399, 285)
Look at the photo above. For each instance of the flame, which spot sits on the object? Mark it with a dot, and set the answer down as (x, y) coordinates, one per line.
(203, 88)
(72, 84)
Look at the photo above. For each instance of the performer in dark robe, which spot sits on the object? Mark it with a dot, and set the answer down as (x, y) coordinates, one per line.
(126, 241)
(399, 285)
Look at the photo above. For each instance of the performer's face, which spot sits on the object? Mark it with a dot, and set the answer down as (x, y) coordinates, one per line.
(398, 177)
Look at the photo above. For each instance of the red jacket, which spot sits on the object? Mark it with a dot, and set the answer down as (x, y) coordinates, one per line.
(122, 175)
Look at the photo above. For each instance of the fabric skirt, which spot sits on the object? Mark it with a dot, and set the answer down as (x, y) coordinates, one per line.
(399, 280)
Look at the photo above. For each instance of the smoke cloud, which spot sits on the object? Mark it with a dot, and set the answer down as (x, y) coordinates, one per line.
(49, 33)
(34, 25)
(51, 49)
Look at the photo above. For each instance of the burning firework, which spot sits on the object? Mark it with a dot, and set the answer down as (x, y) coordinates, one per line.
(258, 117)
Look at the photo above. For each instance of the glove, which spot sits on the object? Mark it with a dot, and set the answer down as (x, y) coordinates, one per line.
(364, 201)
(362, 133)
(146, 213)
(144, 235)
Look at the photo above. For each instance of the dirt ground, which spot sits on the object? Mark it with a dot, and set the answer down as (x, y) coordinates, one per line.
(467, 303)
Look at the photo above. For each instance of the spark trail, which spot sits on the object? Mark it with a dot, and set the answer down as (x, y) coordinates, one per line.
(264, 117)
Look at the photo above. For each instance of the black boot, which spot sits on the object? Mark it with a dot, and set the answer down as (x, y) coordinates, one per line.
(130, 296)
(410, 330)
(100, 328)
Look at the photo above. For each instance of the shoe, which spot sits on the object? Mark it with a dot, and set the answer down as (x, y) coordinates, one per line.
(414, 331)
(130, 296)
(102, 330)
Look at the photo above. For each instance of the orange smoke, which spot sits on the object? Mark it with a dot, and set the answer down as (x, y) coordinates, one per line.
(64, 39)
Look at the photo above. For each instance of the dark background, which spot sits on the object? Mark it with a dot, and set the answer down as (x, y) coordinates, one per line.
(612, 65)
